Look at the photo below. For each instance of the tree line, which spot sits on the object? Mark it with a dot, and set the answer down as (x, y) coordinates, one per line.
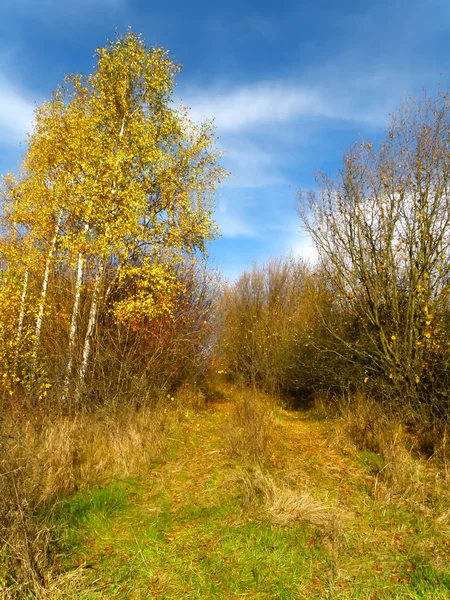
(104, 292)
(373, 313)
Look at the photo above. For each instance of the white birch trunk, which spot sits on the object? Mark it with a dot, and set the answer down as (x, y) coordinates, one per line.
(40, 316)
(74, 320)
(89, 331)
(23, 298)
(93, 312)
(73, 326)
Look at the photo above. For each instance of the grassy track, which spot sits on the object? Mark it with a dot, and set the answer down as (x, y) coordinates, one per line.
(195, 528)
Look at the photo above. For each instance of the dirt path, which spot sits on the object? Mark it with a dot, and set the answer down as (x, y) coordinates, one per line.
(182, 531)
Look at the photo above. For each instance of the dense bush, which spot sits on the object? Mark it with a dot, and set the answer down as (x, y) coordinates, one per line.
(270, 325)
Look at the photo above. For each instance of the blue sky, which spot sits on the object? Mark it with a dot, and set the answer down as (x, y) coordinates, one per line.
(290, 84)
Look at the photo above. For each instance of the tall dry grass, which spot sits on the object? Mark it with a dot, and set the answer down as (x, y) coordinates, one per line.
(43, 459)
(404, 471)
(285, 505)
(251, 429)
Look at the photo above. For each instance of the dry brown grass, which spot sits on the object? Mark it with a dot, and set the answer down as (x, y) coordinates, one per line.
(24, 541)
(251, 427)
(324, 405)
(286, 505)
(366, 425)
(188, 398)
(402, 472)
(44, 459)
(86, 449)
(363, 423)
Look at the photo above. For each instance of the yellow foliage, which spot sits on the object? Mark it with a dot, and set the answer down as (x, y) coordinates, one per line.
(113, 177)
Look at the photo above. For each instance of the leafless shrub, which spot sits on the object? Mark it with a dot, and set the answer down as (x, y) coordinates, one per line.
(381, 230)
(265, 324)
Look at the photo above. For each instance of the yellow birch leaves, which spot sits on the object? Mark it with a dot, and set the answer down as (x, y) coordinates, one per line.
(123, 180)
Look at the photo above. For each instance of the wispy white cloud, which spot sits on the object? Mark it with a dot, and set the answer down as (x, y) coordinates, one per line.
(271, 103)
(251, 165)
(249, 105)
(232, 222)
(16, 113)
(265, 128)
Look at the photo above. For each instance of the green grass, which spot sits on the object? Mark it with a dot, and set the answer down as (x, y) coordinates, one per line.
(183, 531)
(202, 551)
(88, 509)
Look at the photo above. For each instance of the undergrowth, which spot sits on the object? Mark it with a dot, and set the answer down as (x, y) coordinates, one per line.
(48, 458)
(239, 497)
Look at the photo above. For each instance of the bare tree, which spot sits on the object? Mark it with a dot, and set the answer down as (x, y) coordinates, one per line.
(381, 228)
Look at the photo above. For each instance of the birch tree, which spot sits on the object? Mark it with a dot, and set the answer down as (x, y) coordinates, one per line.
(116, 180)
